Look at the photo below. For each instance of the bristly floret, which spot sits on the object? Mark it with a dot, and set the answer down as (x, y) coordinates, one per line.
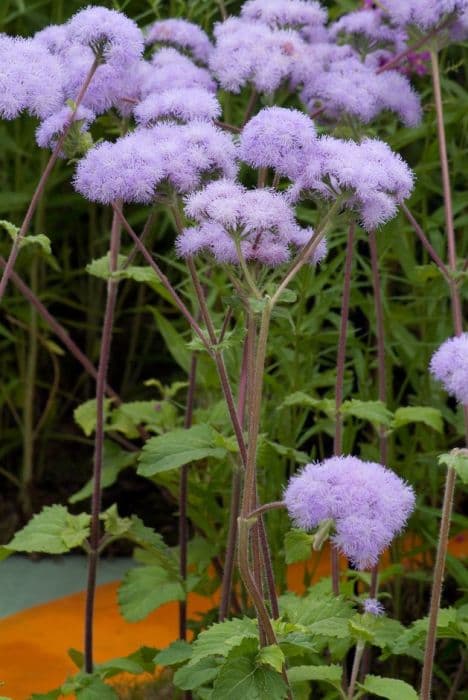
(170, 69)
(110, 34)
(449, 364)
(373, 607)
(182, 104)
(30, 79)
(370, 178)
(259, 222)
(181, 34)
(370, 26)
(292, 14)
(51, 128)
(251, 52)
(137, 167)
(278, 138)
(425, 14)
(368, 503)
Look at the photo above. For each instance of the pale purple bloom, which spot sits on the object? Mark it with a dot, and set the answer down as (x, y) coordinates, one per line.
(370, 26)
(351, 87)
(293, 14)
(260, 221)
(449, 365)
(53, 38)
(183, 104)
(135, 167)
(251, 52)
(113, 35)
(169, 69)
(371, 179)
(182, 34)
(317, 58)
(30, 78)
(51, 128)
(422, 13)
(278, 138)
(368, 503)
(373, 607)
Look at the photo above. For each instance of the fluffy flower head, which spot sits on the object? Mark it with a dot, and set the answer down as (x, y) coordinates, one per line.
(169, 69)
(373, 607)
(51, 128)
(183, 104)
(294, 14)
(449, 365)
(422, 13)
(368, 503)
(181, 34)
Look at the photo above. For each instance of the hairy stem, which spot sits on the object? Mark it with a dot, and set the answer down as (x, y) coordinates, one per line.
(358, 652)
(95, 536)
(15, 248)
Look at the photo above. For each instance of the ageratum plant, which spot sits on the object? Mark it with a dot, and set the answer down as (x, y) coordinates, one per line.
(255, 204)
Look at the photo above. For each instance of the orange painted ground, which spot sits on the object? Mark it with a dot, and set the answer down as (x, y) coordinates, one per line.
(34, 643)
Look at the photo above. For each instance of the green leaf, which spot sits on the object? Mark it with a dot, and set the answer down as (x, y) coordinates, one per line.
(362, 628)
(242, 676)
(315, 608)
(85, 415)
(51, 695)
(39, 239)
(193, 676)
(375, 412)
(101, 266)
(220, 638)
(390, 688)
(54, 531)
(146, 588)
(431, 417)
(115, 459)
(297, 545)
(120, 665)
(96, 690)
(300, 398)
(272, 656)
(327, 674)
(457, 459)
(178, 447)
(175, 343)
(335, 627)
(177, 653)
(77, 657)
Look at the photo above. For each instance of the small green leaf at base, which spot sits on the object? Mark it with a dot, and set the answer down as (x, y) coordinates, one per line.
(390, 688)
(431, 417)
(145, 589)
(457, 459)
(297, 546)
(327, 674)
(53, 531)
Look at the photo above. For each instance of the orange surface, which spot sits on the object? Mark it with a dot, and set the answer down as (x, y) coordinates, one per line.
(34, 643)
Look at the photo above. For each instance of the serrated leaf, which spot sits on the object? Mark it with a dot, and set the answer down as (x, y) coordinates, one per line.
(146, 588)
(335, 627)
(53, 531)
(300, 398)
(101, 266)
(390, 688)
(375, 412)
(327, 674)
(362, 628)
(85, 415)
(316, 607)
(120, 665)
(115, 459)
(272, 656)
(457, 459)
(39, 239)
(297, 546)
(193, 676)
(222, 637)
(96, 690)
(418, 414)
(176, 653)
(177, 448)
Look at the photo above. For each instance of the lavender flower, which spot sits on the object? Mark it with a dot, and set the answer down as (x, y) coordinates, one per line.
(373, 607)
(278, 138)
(53, 38)
(368, 503)
(169, 69)
(30, 78)
(259, 222)
(422, 13)
(368, 175)
(369, 25)
(251, 52)
(136, 167)
(351, 87)
(108, 32)
(449, 365)
(294, 14)
(184, 104)
(51, 128)
(181, 34)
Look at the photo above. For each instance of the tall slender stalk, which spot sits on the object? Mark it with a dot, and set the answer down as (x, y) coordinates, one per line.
(449, 491)
(95, 536)
(15, 248)
(339, 384)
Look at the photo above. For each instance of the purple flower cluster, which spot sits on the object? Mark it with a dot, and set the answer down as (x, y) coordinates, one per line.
(369, 176)
(367, 25)
(259, 223)
(293, 14)
(51, 128)
(373, 607)
(449, 365)
(182, 35)
(368, 503)
(182, 104)
(422, 13)
(138, 166)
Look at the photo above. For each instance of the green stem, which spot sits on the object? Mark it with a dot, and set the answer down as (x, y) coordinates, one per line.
(358, 652)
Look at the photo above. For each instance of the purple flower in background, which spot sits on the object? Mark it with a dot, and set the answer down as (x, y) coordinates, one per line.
(136, 166)
(260, 222)
(169, 69)
(422, 13)
(278, 138)
(370, 26)
(449, 364)
(30, 79)
(181, 34)
(184, 104)
(251, 52)
(368, 503)
(368, 175)
(53, 38)
(114, 35)
(373, 607)
(294, 14)
(51, 128)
